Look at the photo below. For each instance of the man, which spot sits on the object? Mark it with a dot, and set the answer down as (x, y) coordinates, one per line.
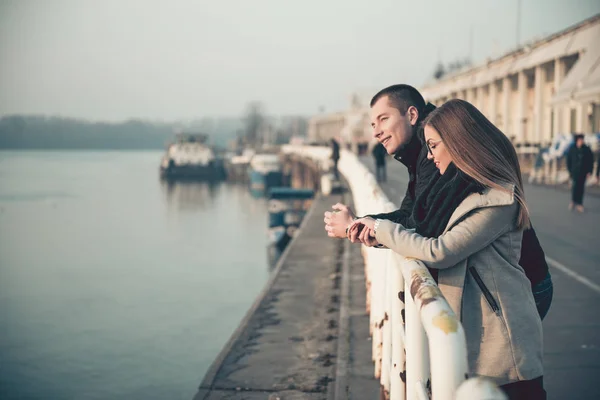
(598, 170)
(379, 154)
(396, 113)
(580, 163)
(335, 157)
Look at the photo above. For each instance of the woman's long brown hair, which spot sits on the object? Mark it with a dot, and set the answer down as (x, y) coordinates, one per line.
(480, 150)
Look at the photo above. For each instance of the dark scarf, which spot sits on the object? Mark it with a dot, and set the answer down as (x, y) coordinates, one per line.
(438, 200)
(434, 206)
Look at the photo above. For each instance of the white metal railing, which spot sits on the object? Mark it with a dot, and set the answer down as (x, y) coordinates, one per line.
(424, 351)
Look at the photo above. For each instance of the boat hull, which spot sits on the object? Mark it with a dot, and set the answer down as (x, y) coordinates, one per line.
(210, 172)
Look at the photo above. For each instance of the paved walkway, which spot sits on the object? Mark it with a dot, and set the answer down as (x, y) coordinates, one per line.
(286, 347)
(570, 240)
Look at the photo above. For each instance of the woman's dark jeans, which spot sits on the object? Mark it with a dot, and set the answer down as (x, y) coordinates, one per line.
(542, 294)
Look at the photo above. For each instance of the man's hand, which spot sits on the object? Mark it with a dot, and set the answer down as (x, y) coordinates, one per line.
(337, 221)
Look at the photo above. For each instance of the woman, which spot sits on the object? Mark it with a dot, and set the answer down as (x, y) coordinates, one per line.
(469, 222)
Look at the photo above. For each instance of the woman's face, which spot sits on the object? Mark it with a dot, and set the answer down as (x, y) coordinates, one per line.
(436, 149)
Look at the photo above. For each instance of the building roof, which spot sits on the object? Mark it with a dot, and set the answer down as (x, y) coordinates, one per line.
(580, 38)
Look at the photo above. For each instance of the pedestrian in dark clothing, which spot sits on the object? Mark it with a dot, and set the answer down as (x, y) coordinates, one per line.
(335, 157)
(580, 163)
(379, 154)
(598, 170)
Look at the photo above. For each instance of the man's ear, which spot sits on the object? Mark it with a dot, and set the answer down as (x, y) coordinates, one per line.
(413, 115)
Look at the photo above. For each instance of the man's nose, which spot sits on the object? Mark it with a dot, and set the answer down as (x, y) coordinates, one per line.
(376, 132)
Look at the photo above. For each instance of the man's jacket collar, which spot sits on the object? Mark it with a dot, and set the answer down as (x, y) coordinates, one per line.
(409, 154)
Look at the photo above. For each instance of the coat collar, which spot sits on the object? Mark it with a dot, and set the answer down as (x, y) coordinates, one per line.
(488, 198)
(410, 154)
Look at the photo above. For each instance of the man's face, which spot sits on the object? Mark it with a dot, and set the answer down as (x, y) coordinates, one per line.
(579, 142)
(390, 128)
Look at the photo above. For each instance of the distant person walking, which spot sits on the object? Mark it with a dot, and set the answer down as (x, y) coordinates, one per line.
(537, 174)
(379, 152)
(335, 157)
(580, 163)
(598, 170)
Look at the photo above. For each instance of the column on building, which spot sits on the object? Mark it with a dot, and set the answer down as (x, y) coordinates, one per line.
(559, 73)
(466, 96)
(583, 117)
(481, 100)
(506, 89)
(538, 114)
(521, 107)
(470, 95)
(492, 103)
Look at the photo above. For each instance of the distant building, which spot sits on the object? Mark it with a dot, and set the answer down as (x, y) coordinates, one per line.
(352, 127)
(544, 89)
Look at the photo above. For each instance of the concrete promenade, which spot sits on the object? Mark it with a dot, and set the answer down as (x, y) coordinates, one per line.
(572, 246)
(286, 347)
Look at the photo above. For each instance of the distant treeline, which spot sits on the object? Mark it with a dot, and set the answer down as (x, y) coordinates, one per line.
(38, 132)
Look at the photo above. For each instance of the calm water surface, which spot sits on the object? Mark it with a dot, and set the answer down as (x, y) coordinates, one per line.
(114, 285)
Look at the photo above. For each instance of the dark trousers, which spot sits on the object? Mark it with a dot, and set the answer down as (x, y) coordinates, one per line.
(336, 173)
(380, 173)
(525, 390)
(577, 190)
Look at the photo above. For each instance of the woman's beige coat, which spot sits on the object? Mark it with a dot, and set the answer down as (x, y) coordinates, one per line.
(479, 274)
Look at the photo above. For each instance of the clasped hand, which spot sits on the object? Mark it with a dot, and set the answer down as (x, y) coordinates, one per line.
(342, 223)
(362, 230)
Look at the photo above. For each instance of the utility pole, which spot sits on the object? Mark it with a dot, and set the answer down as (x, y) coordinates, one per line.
(518, 22)
(471, 44)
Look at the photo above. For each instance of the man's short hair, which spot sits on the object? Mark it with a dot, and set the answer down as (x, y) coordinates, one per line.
(578, 136)
(401, 97)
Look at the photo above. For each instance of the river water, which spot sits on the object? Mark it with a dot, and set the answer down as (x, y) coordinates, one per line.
(114, 285)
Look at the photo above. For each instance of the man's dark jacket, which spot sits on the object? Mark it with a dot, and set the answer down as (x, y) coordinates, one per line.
(420, 171)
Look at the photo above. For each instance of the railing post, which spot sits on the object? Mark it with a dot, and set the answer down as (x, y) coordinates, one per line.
(417, 353)
(398, 371)
(377, 307)
(386, 353)
(446, 337)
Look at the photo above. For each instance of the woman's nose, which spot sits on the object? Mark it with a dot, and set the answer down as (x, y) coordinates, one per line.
(429, 155)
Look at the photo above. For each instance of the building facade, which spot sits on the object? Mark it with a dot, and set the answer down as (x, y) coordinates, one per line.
(544, 89)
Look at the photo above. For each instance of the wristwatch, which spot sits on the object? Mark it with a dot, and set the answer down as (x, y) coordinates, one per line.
(348, 227)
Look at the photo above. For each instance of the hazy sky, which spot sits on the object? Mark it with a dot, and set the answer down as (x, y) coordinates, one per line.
(166, 60)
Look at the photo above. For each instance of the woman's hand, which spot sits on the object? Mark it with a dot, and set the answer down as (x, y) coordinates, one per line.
(361, 231)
